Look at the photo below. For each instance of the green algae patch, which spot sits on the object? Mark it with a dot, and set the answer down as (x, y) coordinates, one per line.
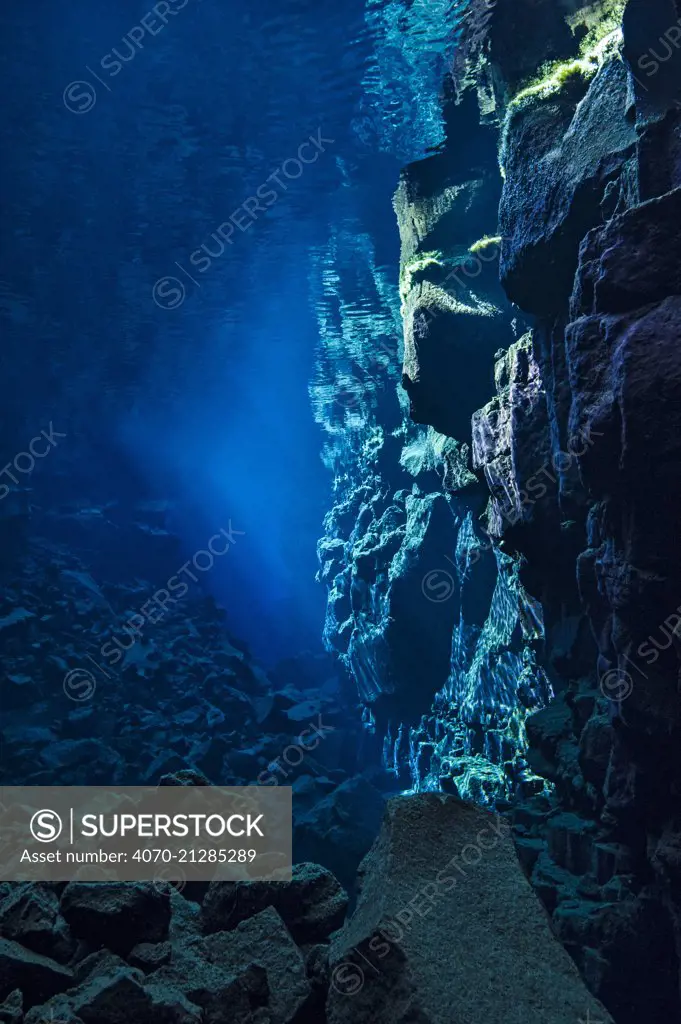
(485, 243)
(601, 42)
(415, 268)
(597, 21)
(570, 79)
(556, 78)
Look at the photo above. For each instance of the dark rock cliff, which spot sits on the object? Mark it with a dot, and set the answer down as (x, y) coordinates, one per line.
(548, 380)
(586, 440)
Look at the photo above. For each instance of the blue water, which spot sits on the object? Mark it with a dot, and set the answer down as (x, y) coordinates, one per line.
(176, 374)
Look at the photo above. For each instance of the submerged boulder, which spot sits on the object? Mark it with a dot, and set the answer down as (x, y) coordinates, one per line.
(36, 976)
(312, 904)
(257, 964)
(117, 915)
(448, 930)
(339, 830)
(12, 1010)
(30, 915)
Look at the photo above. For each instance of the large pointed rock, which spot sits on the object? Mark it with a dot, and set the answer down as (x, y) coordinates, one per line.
(448, 930)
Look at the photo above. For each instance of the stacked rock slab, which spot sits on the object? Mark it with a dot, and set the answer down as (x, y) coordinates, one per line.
(585, 438)
(448, 930)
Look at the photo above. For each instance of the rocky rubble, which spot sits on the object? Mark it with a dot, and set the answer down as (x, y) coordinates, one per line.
(446, 921)
(185, 705)
(189, 707)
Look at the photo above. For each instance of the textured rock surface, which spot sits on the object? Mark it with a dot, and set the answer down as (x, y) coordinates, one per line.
(339, 829)
(451, 928)
(253, 973)
(454, 313)
(36, 976)
(116, 914)
(12, 1010)
(257, 963)
(31, 916)
(560, 155)
(559, 554)
(432, 623)
(196, 699)
(311, 906)
(581, 444)
(452, 630)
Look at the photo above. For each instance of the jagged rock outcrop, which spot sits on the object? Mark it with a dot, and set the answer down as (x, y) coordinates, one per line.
(580, 450)
(562, 691)
(456, 320)
(453, 310)
(31, 915)
(116, 914)
(561, 486)
(563, 157)
(447, 929)
(433, 623)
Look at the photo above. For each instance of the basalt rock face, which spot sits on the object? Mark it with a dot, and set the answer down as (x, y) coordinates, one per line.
(562, 161)
(547, 432)
(454, 313)
(432, 623)
(456, 319)
(430, 618)
(581, 453)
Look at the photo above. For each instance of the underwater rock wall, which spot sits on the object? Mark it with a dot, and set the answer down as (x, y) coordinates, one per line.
(540, 361)
(456, 319)
(585, 447)
(390, 521)
(430, 620)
